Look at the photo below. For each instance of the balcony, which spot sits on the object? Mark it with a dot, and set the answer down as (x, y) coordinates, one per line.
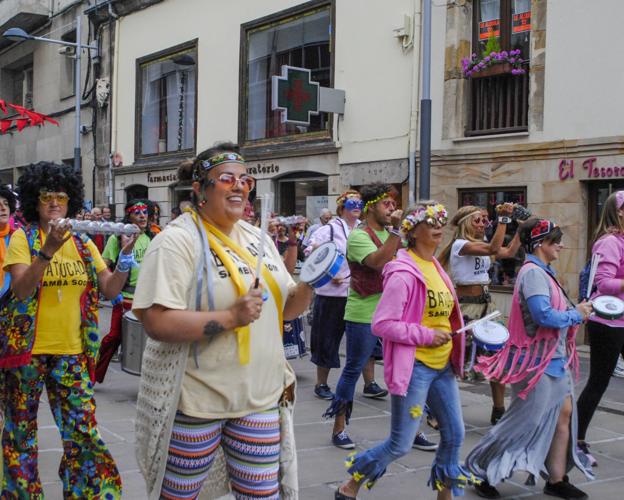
(26, 14)
(498, 104)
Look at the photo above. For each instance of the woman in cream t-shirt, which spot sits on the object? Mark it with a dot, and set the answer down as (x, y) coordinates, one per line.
(218, 353)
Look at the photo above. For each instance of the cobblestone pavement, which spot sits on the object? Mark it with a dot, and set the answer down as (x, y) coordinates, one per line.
(320, 463)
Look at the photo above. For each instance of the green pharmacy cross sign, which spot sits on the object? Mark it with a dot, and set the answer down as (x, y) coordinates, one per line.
(295, 95)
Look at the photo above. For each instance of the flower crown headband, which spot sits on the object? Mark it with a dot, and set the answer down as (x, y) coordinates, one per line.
(215, 160)
(431, 214)
(375, 200)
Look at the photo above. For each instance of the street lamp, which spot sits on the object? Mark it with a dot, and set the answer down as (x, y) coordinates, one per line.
(18, 35)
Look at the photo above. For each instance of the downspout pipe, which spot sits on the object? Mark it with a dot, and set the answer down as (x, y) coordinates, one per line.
(414, 104)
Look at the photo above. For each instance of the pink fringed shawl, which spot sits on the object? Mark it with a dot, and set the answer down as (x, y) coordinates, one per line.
(525, 357)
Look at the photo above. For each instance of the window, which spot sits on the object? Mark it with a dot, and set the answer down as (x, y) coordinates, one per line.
(17, 82)
(301, 39)
(503, 271)
(68, 66)
(166, 101)
(499, 102)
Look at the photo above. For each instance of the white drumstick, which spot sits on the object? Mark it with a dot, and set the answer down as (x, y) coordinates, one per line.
(488, 317)
(595, 260)
(264, 222)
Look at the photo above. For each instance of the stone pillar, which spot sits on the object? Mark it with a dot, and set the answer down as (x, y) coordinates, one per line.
(537, 65)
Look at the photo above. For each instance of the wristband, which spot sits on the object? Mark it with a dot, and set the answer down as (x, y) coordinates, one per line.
(117, 300)
(503, 219)
(44, 256)
(394, 231)
(126, 262)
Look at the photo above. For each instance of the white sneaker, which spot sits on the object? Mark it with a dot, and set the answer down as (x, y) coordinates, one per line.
(619, 368)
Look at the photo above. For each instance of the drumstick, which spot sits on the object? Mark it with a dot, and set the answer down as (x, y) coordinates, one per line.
(488, 317)
(595, 260)
(264, 222)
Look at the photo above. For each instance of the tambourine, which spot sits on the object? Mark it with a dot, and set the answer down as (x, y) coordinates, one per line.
(608, 307)
(94, 227)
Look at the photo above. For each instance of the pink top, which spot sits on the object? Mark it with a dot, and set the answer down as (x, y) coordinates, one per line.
(525, 357)
(610, 272)
(397, 320)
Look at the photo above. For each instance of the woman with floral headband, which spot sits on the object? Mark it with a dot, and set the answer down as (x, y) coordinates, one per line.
(537, 434)
(468, 256)
(330, 300)
(415, 318)
(606, 337)
(136, 212)
(214, 371)
(50, 338)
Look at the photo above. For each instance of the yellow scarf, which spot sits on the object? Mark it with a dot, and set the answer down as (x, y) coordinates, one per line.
(217, 239)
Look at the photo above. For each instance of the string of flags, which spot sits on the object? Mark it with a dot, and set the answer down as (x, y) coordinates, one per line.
(24, 118)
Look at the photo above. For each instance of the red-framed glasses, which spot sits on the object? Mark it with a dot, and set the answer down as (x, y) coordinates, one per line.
(230, 180)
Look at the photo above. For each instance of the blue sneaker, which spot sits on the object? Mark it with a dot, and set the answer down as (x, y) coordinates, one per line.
(342, 440)
(323, 391)
(373, 390)
(422, 443)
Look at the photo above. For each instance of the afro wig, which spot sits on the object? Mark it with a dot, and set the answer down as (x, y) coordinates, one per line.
(48, 176)
(9, 196)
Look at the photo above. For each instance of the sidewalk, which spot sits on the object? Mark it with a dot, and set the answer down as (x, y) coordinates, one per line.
(321, 464)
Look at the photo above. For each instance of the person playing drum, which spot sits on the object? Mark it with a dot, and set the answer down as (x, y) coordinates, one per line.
(52, 340)
(136, 213)
(468, 256)
(214, 370)
(331, 299)
(537, 433)
(606, 336)
(416, 314)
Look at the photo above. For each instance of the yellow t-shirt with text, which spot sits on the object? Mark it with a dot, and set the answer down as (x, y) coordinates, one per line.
(64, 280)
(437, 314)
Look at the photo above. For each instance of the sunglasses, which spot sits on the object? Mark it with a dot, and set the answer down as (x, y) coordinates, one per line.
(230, 180)
(353, 204)
(486, 222)
(47, 197)
(388, 203)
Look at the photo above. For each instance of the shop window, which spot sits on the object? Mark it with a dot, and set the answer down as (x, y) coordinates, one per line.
(499, 103)
(166, 101)
(598, 192)
(302, 194)
(503, 271)
(296, 37)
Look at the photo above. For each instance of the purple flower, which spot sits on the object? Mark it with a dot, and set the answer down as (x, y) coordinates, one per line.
(512, 60)
(504, 53)
(474, 55)
(486, 59)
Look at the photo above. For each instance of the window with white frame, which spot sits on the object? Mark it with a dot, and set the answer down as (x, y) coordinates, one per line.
(166, 101)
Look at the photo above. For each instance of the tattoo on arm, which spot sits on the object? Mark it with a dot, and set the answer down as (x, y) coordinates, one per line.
(212, 328)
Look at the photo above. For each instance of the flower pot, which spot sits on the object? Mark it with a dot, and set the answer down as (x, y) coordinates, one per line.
(493, 70)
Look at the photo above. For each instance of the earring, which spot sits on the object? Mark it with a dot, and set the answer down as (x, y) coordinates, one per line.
(202, 202)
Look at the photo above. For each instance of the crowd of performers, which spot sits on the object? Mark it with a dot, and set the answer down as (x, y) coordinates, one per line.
(213, 291)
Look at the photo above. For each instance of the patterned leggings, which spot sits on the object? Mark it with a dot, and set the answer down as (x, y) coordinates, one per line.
(87, 468)
(251, 445)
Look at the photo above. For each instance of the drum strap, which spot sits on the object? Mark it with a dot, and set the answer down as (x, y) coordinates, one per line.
(243, 333)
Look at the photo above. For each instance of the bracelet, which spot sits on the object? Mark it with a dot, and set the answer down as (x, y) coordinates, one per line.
(395, 232)
(503, 219)
(44, 256)
(126, 262)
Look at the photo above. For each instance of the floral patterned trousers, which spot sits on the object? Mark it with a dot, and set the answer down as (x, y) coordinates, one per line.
(87, 468)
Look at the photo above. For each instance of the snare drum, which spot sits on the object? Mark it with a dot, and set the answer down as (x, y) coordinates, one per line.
(321, 265)
(608, 307)
(132, 343)
(490, 335)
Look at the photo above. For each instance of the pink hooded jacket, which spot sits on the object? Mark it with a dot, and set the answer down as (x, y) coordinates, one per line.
(397, 320)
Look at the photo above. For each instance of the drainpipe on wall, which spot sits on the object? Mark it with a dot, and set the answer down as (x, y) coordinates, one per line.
(114, 113)
(415, 103)
(113, 20)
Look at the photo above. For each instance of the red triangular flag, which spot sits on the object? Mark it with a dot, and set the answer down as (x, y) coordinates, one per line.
(21, 123)
(35, 118)
(3, 106)
(5, 125)
(20, 109)
(51, 120)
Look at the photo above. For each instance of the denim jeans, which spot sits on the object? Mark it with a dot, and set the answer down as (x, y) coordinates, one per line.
(439, 389)
(361, 345)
